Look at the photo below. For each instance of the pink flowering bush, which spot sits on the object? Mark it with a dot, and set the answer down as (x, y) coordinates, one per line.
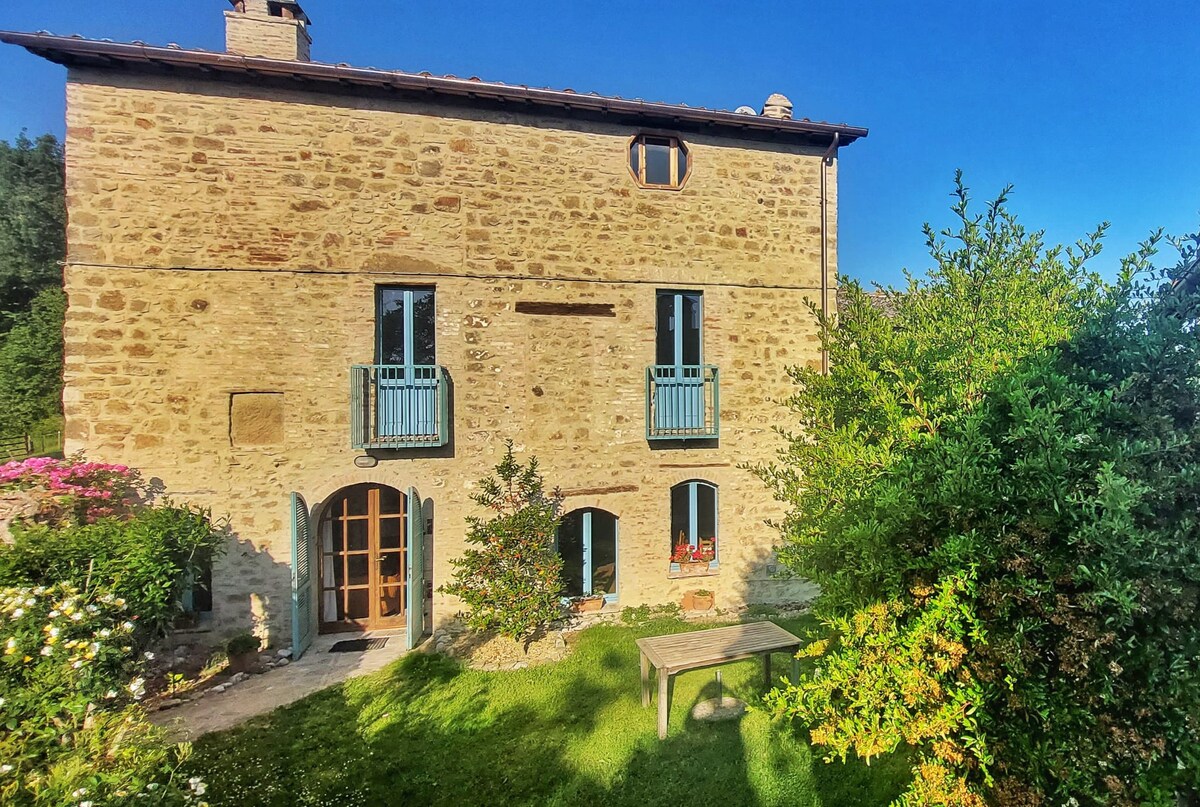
(74, 488)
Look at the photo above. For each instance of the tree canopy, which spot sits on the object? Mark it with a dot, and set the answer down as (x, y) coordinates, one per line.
(32, 221)
(32, 305)
(998, 490)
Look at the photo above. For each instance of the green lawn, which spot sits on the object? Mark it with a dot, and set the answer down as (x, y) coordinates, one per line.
(426, 731)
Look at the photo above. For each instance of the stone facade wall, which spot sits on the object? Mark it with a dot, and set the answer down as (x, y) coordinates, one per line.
(225, 239)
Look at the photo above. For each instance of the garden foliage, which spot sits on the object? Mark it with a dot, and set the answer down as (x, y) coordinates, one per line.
(998, 490)
(93, 574)
(510, 577)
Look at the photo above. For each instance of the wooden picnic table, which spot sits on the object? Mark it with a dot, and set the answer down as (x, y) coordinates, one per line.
(677, 652)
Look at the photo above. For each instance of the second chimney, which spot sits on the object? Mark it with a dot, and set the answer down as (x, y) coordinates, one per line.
(276, 29)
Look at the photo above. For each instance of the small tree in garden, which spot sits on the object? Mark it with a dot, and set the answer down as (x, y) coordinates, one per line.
(511, 577)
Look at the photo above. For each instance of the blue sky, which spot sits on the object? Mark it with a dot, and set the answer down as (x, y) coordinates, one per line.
(1088, 108)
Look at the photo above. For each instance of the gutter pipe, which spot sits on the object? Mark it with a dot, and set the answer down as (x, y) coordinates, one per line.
(826, 161)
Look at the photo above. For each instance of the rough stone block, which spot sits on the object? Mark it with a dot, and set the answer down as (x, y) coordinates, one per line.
(255, 419)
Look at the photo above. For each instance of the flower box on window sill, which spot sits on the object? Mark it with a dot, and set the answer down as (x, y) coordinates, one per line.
(703, 568)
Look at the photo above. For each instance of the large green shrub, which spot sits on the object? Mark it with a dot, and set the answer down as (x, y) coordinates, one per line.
(511, 578)
(146, 558)
(1012, 572)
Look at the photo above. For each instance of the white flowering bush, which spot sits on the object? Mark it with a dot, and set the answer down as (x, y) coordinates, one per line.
(70, 730)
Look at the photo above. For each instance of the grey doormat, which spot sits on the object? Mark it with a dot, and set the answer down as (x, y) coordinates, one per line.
(358, 645)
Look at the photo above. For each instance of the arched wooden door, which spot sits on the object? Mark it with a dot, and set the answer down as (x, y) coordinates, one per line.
(364, 559)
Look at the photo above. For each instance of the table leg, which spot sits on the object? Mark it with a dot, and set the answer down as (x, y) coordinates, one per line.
(795, 667)
(664, 702)
(645, 681)
(767, 669)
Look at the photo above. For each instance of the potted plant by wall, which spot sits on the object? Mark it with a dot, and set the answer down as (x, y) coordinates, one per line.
(702, 599)
(242, 650)
(590, 603)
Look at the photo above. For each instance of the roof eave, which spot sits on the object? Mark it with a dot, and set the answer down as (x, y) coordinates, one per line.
(73, 52)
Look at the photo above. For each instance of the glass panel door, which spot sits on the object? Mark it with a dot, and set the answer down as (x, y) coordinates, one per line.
(363, 559)
(679, 376)
(407, 402)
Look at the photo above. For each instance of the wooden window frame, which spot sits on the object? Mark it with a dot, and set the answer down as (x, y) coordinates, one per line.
(677, 147)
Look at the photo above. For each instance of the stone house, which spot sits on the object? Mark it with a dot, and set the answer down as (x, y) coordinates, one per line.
(318, 299)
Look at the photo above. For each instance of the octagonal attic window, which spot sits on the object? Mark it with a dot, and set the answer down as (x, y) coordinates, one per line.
(658, 162)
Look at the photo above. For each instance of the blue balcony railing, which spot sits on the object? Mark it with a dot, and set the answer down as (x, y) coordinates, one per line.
(682, 402)
(398, 406)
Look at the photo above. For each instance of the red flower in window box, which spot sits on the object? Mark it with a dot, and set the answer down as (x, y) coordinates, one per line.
(690, 553)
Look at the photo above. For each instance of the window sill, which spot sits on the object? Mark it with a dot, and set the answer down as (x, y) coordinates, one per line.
(676, 570)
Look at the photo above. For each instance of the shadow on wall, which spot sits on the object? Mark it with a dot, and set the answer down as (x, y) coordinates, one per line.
(251, 591)
(766, 581)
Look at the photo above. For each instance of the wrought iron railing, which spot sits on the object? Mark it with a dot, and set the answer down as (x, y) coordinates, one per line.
(398, 406)
(682, 402)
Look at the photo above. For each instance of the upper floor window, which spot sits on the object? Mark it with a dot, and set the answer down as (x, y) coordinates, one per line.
(405, 382)
(658, 162)
(405, 322)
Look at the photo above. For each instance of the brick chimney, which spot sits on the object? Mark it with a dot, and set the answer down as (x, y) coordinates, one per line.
(276, 29)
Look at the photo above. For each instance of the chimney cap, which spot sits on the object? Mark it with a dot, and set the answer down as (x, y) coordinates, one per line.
(275, 9)
(777, 106)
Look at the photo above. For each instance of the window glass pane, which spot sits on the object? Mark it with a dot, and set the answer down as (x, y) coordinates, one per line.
(390, 322)
(681, 162)
(680, 528)
(357, 569)
(390, 501)
(391, 601)
(706, 513)
(356, 534)
(635, 160)
(390, 532)
(604, 552)
(570, 547)
(691, 328)
(389, 567)
(424, 327)
(356, 501)
(359, 606)
(664, 340)
(658, 162)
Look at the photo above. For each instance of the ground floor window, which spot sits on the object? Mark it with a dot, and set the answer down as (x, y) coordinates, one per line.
(587, 542)
(694, 522)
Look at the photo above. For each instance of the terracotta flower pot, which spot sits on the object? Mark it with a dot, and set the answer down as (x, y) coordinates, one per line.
(587, 605)
(702, 602)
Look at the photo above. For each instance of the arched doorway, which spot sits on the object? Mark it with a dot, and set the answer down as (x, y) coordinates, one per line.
(363, 563)
(587, 542)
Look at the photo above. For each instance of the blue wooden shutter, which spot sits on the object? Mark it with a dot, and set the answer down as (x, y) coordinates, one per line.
(303, 620)
(416, 569)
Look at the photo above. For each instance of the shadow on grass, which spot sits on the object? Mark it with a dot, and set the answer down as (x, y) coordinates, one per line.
(426, 731)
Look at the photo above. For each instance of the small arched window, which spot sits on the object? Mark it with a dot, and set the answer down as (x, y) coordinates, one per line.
(659, 162)
(587, 542)
(694, 523)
